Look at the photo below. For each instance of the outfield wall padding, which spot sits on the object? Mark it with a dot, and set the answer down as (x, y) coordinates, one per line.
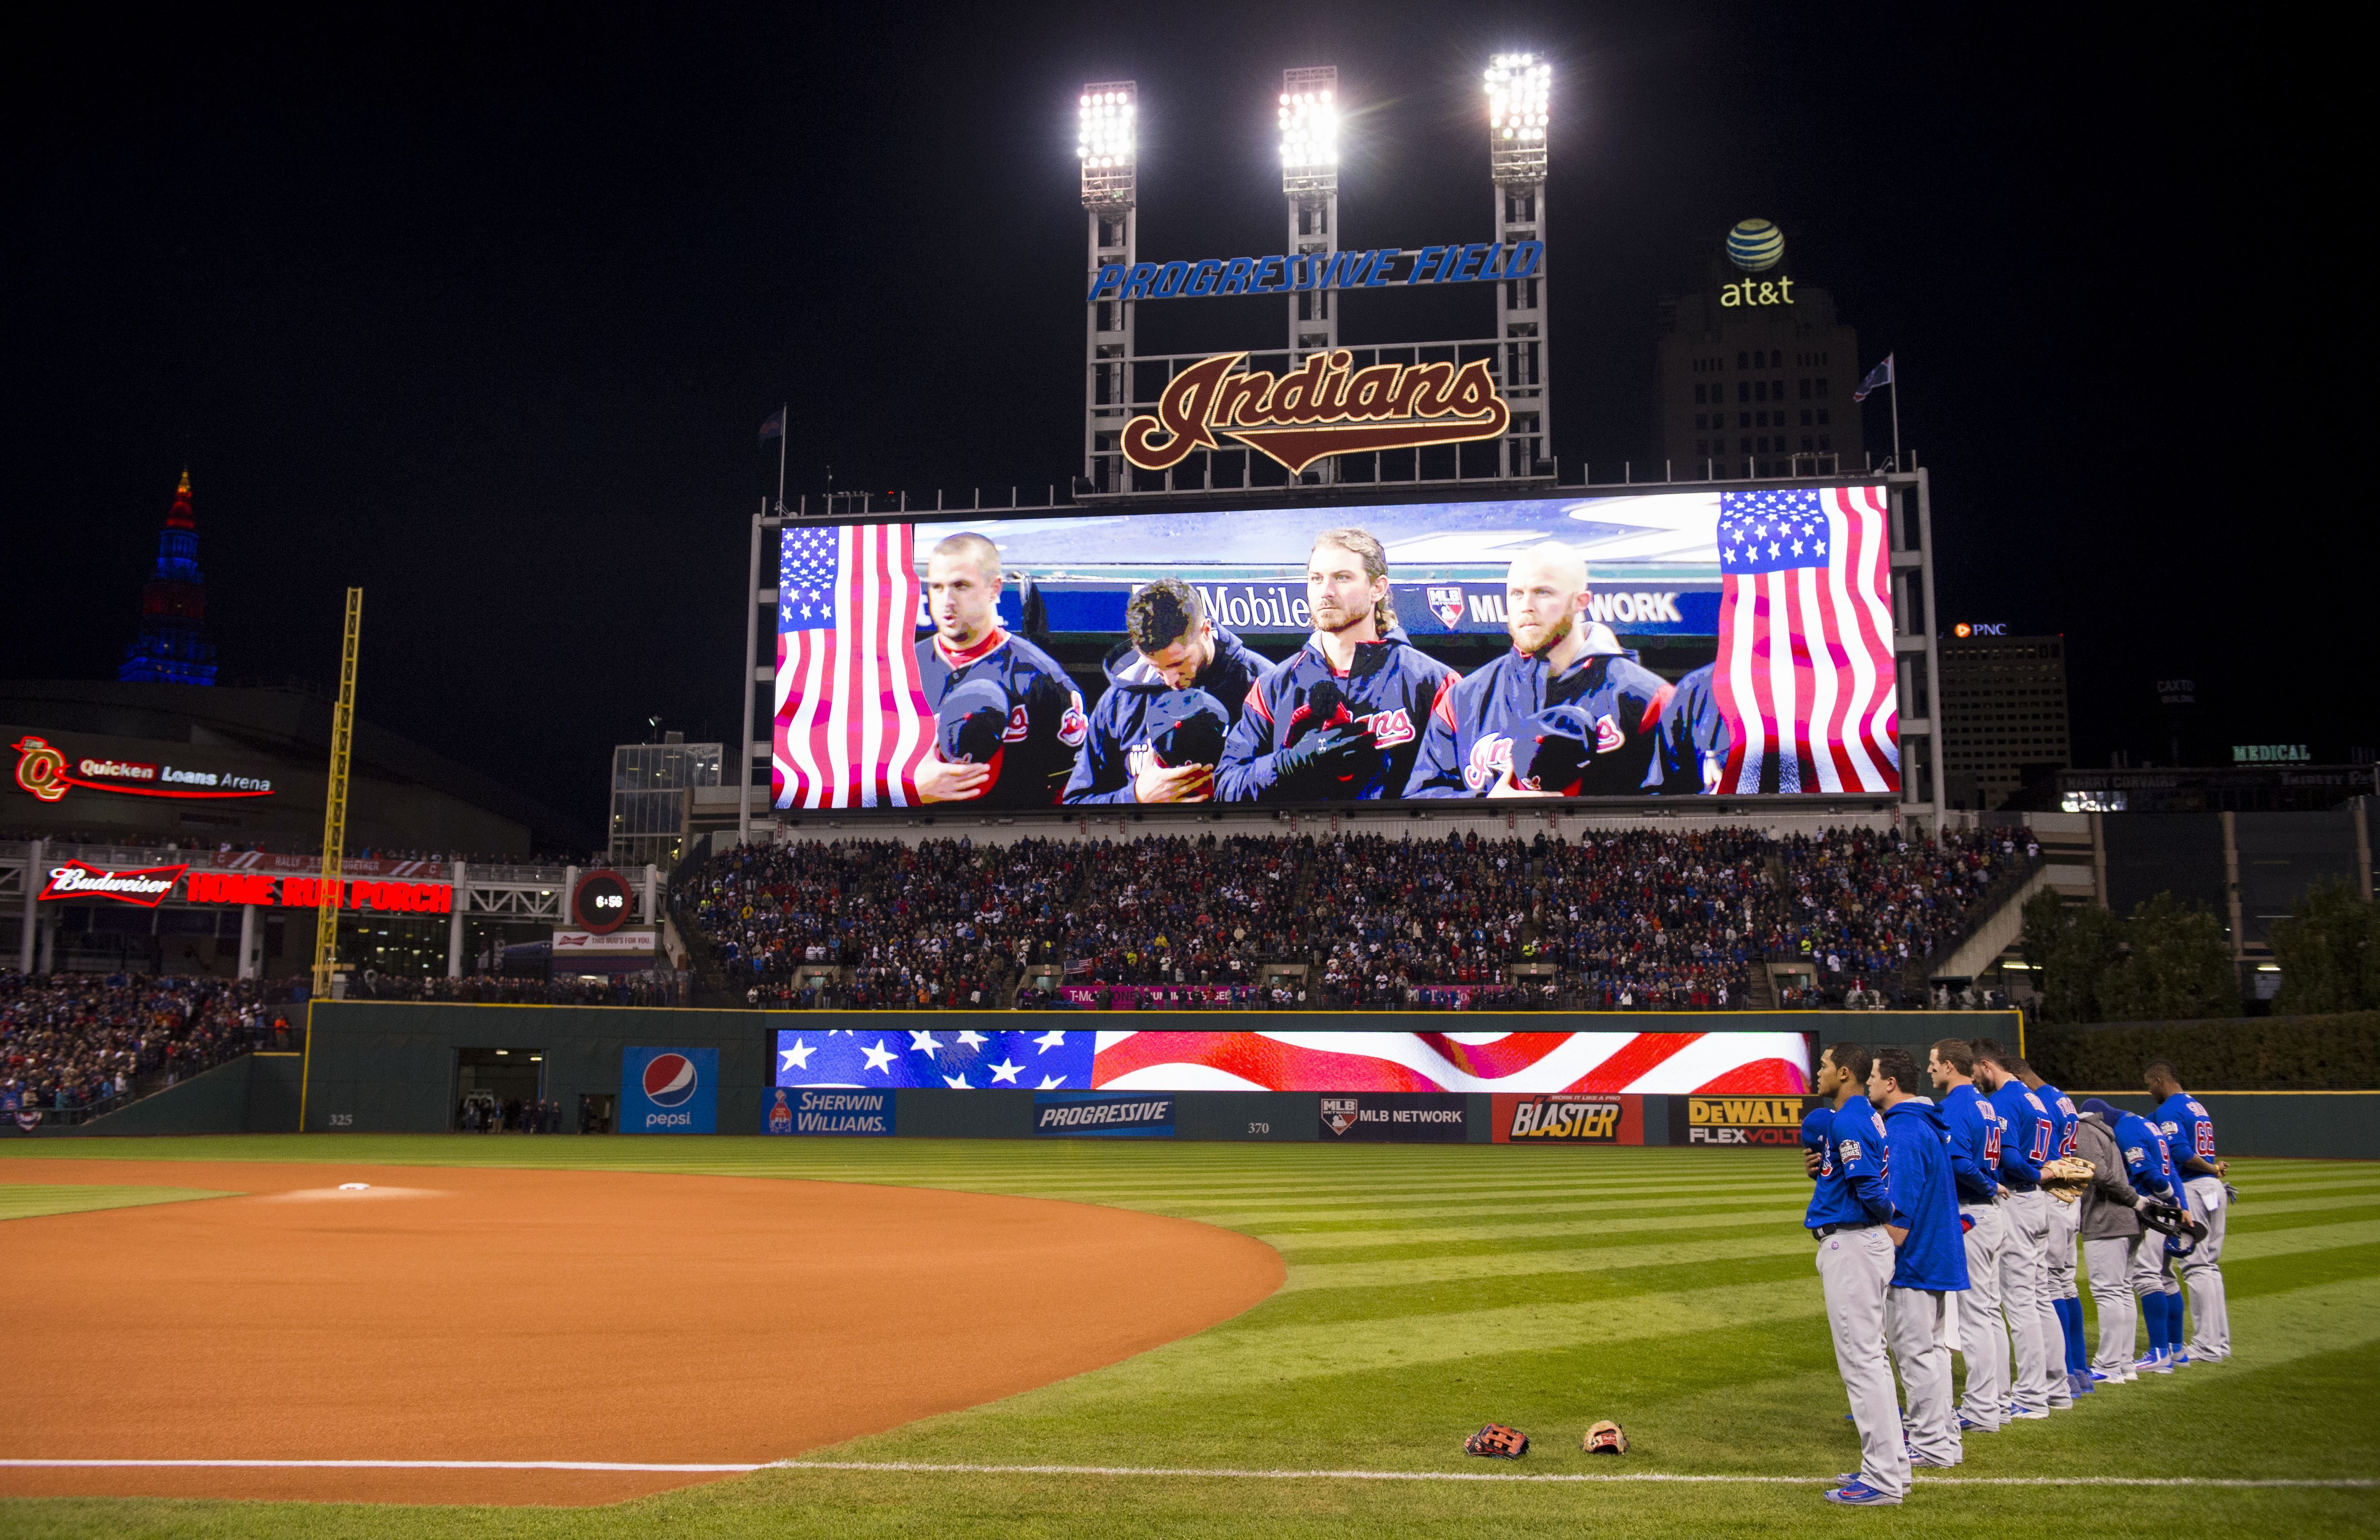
(2329, 1125)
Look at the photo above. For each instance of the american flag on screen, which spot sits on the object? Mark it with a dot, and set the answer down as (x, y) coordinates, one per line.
(853, 724)
(1804, 675)
(1649, 1062)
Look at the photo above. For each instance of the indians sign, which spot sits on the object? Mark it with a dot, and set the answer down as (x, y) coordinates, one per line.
(1326, 407)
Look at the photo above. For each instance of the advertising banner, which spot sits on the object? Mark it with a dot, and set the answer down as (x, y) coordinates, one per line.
(1636, 1063)
(1076, 1115)
(860, 1113)
(1772, 607)
(1571, 1120)
(1402, 1119)
(1739, 1123)
(669, 1090)
(639, 942)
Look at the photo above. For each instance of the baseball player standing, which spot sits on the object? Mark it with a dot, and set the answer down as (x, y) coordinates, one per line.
(1340, 720)
(2111, 1231)
(2024, 1144)
(1849, 1209)
(2065, 1299)
(2149, 1167)
(2189, 1136)
(1046, 724)
(1976, 1130)
(1930, 1265)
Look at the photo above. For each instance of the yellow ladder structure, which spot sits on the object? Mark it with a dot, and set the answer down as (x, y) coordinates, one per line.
(331, 888)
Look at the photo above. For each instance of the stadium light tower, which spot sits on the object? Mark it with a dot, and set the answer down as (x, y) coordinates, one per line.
(1107, 141)
(1520, 95)
(1309, 179)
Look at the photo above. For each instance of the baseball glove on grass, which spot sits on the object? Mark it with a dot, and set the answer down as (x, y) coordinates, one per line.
(2066, 1177)
(1605, 1437)
(1498, 1442)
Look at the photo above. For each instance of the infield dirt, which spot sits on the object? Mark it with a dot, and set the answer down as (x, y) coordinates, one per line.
(453, 1313)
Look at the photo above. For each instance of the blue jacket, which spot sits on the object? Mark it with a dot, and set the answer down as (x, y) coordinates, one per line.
(1046, 725)
(1817, 1126)
(1119, 721)
(1975, 1125)
(2188, 1131)
(1852, 1179)
(1390, 688)
(1934, 1253)
(2062, 1118)
(2025, 1141)
(1469, 745)
(2146, 1159)
(1693, 738)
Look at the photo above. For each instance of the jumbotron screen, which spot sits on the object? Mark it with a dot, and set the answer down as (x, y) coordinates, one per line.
(1676, 1063)
(1665, 644)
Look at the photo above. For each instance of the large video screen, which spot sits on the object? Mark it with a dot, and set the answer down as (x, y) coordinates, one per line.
(1656, 1063)
(1662, 644)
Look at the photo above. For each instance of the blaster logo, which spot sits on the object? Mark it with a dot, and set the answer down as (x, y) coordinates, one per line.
(670, 1080)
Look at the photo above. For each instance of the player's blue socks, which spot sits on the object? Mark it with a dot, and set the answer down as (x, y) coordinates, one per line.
(2153, 1317)
(2070, 1311)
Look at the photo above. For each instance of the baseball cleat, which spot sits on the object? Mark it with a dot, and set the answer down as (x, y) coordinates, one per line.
(1928, 1460)
(2081, 1383)
(1969, 1424)
(2098, 1376)
(2018, 1414)
(2155, 1363)
(1859, 1494)
(2181, 1358)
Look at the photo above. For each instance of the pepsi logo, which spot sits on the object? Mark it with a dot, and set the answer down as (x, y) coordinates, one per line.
(669, 1080)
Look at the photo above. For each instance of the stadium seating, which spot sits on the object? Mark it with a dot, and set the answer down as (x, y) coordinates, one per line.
(1634, 920)
(79, 1043)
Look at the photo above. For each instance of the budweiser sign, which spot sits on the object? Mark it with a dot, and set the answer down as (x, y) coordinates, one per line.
(1328, 407)
(146, 887)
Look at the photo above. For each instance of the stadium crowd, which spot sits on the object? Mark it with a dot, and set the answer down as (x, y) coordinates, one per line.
(1623, 920)
(85, 1041)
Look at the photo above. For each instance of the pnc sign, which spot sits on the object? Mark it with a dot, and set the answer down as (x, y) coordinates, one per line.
(1328, 407)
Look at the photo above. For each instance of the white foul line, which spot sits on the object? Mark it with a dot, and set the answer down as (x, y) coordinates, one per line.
(921, 1467)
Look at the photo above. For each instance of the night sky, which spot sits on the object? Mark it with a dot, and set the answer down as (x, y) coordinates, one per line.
(483, 315)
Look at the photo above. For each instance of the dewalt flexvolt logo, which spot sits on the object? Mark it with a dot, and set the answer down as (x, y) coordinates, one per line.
(1765, 1121)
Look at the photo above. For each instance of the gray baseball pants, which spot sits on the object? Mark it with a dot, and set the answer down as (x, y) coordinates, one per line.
(2023, 1278)
(1856, 1269)
(2110, 1262)
(2202, 1271)
(1983, 1337)
(1918, 1322)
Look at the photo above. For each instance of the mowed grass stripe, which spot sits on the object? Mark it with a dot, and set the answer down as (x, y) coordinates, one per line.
(29, 1201)
(1547, 1207)
(1442, 1239)
(1305, 1276)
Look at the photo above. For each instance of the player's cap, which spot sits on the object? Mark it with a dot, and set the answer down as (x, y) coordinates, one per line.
(1187, 727)
(1551, 751)
(970, 721)
(2106, 1109)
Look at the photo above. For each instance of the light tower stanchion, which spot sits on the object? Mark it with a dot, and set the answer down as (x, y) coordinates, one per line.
(1519, 92)
(1308, 119)
(1107, 135)
(329, 891)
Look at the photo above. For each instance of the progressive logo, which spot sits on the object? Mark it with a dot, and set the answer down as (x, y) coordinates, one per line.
(670, 1080)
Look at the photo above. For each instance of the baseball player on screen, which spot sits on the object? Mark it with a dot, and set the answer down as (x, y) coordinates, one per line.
(1560, 659)
(2189, 1136)
(1170, 647)
(1692, 743)
(2024, 1266)
(1850, 1209)
(1045, 726)
(1341, 719)
(1976, 1132)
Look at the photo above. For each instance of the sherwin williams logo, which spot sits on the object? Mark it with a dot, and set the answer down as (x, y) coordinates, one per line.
(670, 1080)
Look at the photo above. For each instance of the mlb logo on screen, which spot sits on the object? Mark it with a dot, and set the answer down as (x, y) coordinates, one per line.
(1447, 605)
(1339, 1113)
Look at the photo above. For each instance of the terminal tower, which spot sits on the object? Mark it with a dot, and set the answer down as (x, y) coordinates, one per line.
(172, 649)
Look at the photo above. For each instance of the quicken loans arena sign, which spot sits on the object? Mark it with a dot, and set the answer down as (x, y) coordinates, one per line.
(1326, 407)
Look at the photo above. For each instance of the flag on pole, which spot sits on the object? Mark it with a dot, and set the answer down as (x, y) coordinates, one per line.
(1805, 676)
(852, 723)
(1877, 378)
(774, 428)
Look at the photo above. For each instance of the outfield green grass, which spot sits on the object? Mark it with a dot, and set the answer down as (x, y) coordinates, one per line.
(31, 1201)
(1430, 1290)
